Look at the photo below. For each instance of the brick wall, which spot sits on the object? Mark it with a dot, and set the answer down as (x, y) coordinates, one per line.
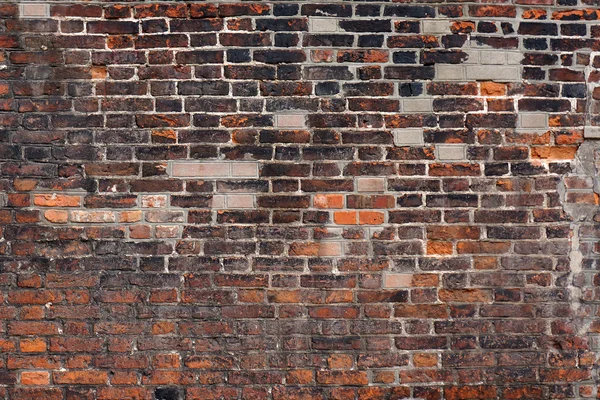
(299, 200)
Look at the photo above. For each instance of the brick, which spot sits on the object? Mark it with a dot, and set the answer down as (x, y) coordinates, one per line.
(34, 10)
(398, 280)
(435, 27)
(533, 120)
(408, 137)
(370, 184)
(298, 200)
(450, 152)
(54, 200)
(92, 216)
(449, 72)
(498, 74)
(201, 170)
(290, 121)
(56, 216)
(417, 105)
(321, 25)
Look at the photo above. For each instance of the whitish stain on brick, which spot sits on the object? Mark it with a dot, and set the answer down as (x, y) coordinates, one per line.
(92, 216)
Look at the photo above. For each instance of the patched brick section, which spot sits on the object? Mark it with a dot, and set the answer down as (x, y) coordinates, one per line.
(222, 169)
(287, 200)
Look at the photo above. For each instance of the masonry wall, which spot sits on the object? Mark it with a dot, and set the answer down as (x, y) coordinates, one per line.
(299, 200)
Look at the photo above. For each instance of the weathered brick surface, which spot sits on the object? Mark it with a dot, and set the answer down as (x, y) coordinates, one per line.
(299, 200)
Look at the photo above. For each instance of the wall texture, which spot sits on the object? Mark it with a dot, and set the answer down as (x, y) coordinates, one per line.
(299, 200)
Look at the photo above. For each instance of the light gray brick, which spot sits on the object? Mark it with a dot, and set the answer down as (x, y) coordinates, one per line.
(591, 132)
(408, 137)
(201, 169)
(319, 24)
(493, 57)
(436, 26)
(417, 105)
(34, 10)
(473, 56)
(500, 74)
(451, 152)
(290, 121)
(446, 72)
(533, 120)
(218, 201)
(514, 57)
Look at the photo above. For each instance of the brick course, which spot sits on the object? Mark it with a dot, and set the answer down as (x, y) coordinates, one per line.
(299, 200)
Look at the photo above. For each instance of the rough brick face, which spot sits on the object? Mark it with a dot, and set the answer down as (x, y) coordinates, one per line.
(299, 200)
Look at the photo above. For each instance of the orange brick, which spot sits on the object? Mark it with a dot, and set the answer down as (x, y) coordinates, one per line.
(163, 328)
(32, 345)
(534, 13)
(25, 184)
(435, 247)
(384, 376)
(300, 377)
(328, 201)
(130, 216)
(304, 249)
(168, 134)
(485, 262)
(87, 377)
(56, 216)
(35, 378)
(340, 361)
(465, 295)
(425, 360)
(168, 360)
(554, 152)
(98, 72)
(425, 280)
(140, 232)
(56, 200)
(493, 89)
(123, 378)
(345, 217)
(370, 217)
